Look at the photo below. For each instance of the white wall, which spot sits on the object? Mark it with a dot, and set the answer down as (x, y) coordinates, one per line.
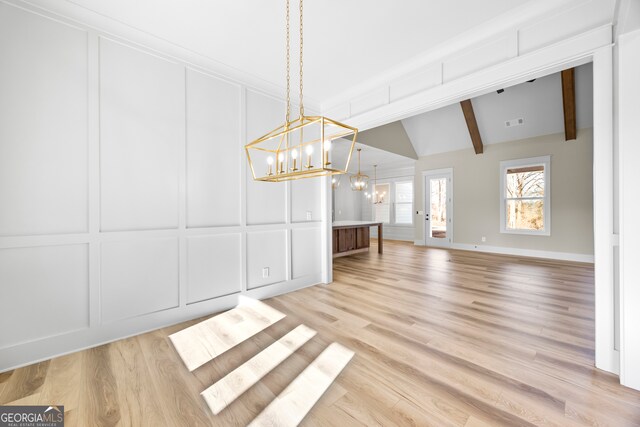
(348, 203)
(126, 203)
(628, 133)
(476, 196)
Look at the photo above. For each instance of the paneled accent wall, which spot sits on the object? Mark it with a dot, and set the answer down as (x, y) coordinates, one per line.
(126, 201)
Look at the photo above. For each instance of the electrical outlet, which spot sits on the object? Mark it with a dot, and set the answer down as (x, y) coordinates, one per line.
(484, 239)
(514, 122)
(309, 215)
(265, 272)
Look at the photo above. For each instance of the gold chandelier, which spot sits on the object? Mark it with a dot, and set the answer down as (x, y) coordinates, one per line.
(306, 147)
(335, 182)
(376, 197)
(359, 181)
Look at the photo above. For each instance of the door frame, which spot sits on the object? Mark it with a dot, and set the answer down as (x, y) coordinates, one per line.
(425, 176)
(551, 59)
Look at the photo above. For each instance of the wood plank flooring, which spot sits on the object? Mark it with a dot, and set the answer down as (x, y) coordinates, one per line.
(441, 338)
(229, 388)
(290, 407)
(208, 339)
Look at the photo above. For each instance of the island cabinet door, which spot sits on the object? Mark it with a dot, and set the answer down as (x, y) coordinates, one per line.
(346, 239)
(362, 237)
(335, 241)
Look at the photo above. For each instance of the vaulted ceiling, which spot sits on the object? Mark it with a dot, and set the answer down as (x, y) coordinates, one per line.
(538, 104)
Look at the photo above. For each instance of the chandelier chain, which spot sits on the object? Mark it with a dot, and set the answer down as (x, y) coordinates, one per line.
(301, 63)
(294, 150)
(288, 112)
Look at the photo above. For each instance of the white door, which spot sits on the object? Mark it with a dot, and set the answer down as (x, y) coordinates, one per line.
(438, 212)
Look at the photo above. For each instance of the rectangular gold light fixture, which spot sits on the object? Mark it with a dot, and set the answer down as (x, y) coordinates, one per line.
(307, 147)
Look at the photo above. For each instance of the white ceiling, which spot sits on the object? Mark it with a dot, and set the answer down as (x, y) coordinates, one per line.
(346, 42)
(539, 103)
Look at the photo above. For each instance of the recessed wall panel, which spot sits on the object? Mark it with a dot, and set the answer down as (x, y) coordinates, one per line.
(214, 266)
(419, 81)
(43, 125)
(266, 249)
(305, 252)
(305, 200)
(138, 277)
(374, 99)
(141, 132)
(214, 151)
(265, 200)
(44, 292)
(480, 57)
(561, 24)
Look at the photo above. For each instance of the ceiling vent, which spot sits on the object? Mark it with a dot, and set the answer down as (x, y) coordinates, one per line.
(513, 122)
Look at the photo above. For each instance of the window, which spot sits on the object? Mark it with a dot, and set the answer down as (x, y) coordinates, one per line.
(525, 202)
(404, 203)
(381, 211)
(395, 199)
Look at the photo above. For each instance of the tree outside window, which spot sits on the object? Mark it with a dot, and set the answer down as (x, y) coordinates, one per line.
(525, 200)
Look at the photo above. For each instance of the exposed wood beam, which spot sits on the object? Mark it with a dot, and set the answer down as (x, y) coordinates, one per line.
(474, 132)
(569, 104)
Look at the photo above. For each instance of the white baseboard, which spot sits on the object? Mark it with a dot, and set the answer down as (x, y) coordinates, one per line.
(39, 350)
(533, 253)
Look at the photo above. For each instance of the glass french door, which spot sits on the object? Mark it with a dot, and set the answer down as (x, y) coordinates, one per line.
(438, 218)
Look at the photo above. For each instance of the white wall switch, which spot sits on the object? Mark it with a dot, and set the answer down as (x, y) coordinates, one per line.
(265, 272)
(484, 239)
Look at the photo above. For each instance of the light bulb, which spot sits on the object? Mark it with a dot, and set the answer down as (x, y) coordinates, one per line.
(309, 150)
(269, 160)
(281, 157)
(294, 154)
(327, 147)
(333, 180)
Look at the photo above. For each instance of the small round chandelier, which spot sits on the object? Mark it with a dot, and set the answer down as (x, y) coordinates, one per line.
(335, 181)
(378, 198)
(359, 181)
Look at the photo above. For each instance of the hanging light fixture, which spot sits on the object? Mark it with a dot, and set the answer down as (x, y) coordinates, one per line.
(359, 181)
(377, 197)
(335, 182)
(306, 147)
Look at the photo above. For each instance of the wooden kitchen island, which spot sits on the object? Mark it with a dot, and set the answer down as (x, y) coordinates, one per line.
(351, 237)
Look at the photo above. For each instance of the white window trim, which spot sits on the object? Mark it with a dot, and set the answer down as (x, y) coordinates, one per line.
(532, 161)
(392, 201)
(412, 203)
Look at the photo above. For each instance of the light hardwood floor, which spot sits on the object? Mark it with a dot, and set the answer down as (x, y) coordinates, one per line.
(441, 337)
